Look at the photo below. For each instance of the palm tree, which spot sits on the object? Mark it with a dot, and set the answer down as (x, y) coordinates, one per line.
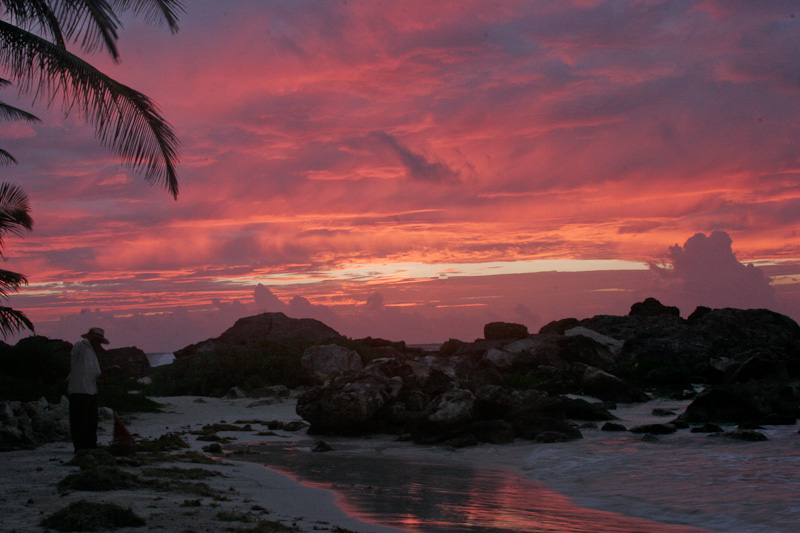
(33, 51)
(14, 218)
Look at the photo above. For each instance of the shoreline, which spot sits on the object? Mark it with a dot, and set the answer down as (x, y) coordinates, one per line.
(28, 490)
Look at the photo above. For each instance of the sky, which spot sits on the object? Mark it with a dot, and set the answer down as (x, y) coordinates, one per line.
(414, 170)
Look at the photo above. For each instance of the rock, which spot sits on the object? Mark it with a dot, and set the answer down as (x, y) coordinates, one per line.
(451, 407)
(6, 413)
(321, 446)
(579, 409)
(272, 391)
(552, 436)
(663, 412)
(748, 435)
(654, 429)
(28, 424)
(652, 307)
(347, 405)
(707, 428)
(235, 393)
(612, 345)
(294, 426)
(721, 405)
(528, 424)
(129, 362)
(613, 426)
(500, 358)
(559, 327)
(504, 331)
(264, 328)
(607, 387)
(493, 431)
(461, 441)
(492, 402)
(264, 401)
(764, 364)
(322, 361)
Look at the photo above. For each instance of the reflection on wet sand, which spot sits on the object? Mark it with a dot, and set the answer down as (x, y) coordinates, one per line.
(421, 495)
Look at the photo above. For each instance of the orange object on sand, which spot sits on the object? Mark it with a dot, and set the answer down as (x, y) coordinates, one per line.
(121, 433)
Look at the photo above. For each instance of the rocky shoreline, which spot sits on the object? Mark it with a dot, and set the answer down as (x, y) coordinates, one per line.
(509, 385)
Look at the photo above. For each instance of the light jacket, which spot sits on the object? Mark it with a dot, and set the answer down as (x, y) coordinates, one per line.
(84, 369)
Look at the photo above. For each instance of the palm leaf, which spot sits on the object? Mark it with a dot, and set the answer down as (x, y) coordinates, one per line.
(15, 211)
(154, 10)
(6, 158)
(35, 15)
(8, 112)
(91, 23)
(125, 120)
(10, 282)
(13, 321)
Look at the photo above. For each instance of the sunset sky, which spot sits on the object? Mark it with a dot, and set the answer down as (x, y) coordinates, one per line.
(412, 170)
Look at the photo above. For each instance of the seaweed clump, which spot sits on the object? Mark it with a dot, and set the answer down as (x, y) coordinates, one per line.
(98, 479)
(90, 516)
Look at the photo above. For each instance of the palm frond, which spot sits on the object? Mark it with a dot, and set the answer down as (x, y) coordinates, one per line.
(10, 282)
(90, 23)
(15, 209)
(155, 11)
(8, 112)
(37, 16)
(13, 321)
(6, 158)
(125, 120)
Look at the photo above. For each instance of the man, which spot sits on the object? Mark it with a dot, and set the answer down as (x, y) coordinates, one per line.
(82, 389)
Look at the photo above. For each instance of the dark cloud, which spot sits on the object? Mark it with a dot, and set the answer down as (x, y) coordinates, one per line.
(417, 166)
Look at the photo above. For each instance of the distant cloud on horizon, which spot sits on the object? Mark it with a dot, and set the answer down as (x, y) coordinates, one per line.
(706, 272)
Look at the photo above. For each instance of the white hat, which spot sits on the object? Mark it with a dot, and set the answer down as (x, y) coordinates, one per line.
(96, 332)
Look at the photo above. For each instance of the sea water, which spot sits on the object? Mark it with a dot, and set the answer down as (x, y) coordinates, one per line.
(608, 481)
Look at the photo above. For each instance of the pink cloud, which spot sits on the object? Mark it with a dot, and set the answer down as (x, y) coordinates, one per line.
(321, 135)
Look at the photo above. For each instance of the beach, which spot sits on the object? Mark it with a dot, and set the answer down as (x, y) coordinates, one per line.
(608, 481)
(28, 490)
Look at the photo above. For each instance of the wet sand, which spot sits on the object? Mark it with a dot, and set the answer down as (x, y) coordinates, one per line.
(432, 489)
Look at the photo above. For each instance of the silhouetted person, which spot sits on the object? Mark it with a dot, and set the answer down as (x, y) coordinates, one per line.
(82, 389)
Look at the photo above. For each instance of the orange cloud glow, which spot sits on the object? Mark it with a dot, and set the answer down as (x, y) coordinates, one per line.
(321, 137)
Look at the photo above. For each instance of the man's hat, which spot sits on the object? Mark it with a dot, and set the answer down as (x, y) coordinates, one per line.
(97, 333)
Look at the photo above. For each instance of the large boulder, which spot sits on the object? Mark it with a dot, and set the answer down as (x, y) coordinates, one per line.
(652, 307)
(451, 408)
(760, 402)
(609, 388)
(129, 362)
(263, 328)
(504, 330)
(347, 405)
(325, 360)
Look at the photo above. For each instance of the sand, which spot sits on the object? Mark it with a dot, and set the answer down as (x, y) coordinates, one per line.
(28, 482)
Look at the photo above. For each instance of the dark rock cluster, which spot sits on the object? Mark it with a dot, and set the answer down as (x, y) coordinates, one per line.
(515, 385)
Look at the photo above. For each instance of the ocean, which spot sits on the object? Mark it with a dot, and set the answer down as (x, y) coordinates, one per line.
(608, 481)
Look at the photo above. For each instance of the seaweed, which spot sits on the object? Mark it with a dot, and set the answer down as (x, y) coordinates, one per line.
(269, 526)
(98, 479)
(227, 516)
(90, 516)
